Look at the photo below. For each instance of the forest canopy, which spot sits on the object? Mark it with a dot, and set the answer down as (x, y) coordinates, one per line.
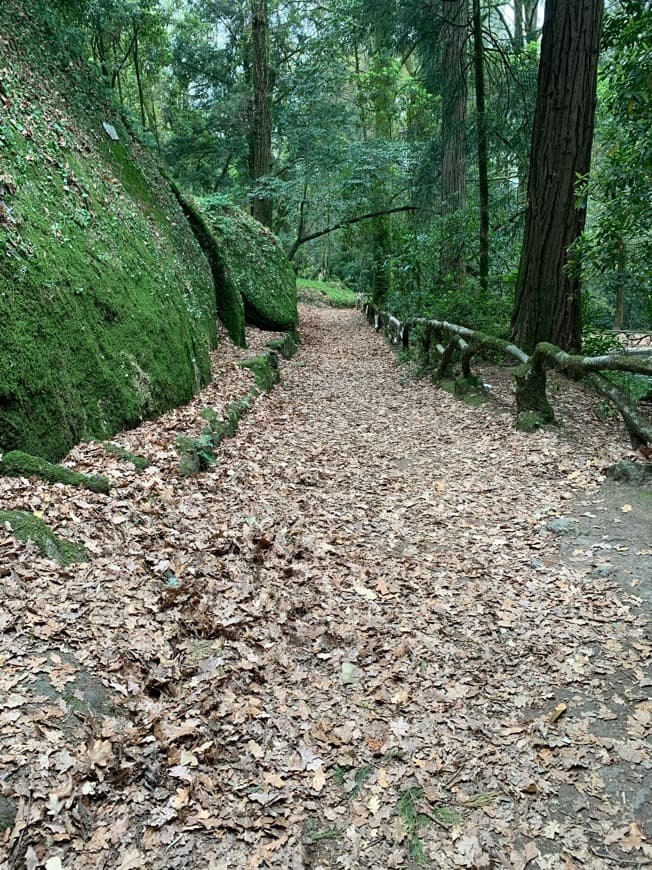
(388, 143)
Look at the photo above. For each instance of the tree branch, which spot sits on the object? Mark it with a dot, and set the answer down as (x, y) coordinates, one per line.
(354, 220)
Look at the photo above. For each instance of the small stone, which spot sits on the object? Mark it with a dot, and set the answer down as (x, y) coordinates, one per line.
(633, 473)
(562, 526)
(110, 131)
(603, 571)
(8, 810)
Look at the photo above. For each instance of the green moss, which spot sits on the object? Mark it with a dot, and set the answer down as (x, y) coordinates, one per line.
(254, 265)
(471, 385)
(107, 307)
(326, 293)
(115, 450)
(530, 421)
(474, 400)
(28, 527)
(265, 369)
(19, 464)
(286, 346)
(230, 306)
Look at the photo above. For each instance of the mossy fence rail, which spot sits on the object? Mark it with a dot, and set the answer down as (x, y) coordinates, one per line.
(441, 345)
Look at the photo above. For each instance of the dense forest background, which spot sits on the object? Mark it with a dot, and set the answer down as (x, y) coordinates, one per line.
(387, 143)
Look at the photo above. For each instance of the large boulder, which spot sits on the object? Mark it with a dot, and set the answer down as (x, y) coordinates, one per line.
(255, 266)
(107, 306)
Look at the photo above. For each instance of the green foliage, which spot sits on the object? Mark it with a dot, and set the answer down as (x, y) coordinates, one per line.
(407, 808)
(466, 305)
(19, 464)
(635, 387)
(29, 527)
(616, 249)
(328, 292)
(359, 779)
(106, 303)
(315, 836)
(196, 453)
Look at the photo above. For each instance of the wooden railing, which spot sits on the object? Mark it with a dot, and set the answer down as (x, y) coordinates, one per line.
(445, 344)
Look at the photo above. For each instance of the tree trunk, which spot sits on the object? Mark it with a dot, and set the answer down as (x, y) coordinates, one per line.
(531, 9)
(619, 317)
(260, 133)
(518, 25)
(548, 297)
(141, 96)
(383, 95)
(481, 125)
(453, 128)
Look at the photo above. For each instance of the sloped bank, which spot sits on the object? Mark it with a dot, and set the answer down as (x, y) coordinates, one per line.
(107, 305)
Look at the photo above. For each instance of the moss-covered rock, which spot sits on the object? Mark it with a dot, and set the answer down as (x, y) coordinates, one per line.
(19, 464)
(254, 265)
(265, 369)
(230, 305)
(287, 346)
(140, 462)
(29, 527)
(107, 306)
(197, 453)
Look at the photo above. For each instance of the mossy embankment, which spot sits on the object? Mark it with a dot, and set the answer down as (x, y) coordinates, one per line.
(107, 305)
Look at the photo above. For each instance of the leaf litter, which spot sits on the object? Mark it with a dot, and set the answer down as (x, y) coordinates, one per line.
(352, 642)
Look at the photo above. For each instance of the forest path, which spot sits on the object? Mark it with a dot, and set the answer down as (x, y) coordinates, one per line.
(342, 646)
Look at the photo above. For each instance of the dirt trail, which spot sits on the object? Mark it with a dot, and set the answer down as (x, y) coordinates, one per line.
(345, 645)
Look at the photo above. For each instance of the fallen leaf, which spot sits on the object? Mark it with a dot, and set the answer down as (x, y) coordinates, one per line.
(318, 781)
(629, 753)
(558, 712)
(99, 753)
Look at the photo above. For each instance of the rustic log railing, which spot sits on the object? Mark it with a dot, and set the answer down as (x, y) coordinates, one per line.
(442, 344)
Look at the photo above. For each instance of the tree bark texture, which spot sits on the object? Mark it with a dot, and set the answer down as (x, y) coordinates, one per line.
(518, 25)
(481, 132)
(260, 134)
(453, 126)
(383, 95)
(548, 297)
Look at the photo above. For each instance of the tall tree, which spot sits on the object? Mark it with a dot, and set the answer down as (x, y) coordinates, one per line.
(453, 127)
(381, 93)
(548, 304)
(260, 133)
(483, 148)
